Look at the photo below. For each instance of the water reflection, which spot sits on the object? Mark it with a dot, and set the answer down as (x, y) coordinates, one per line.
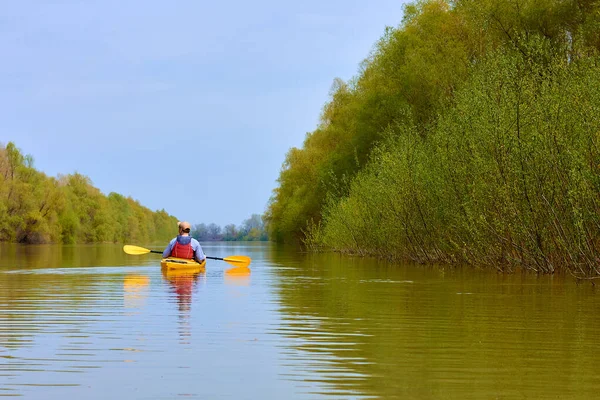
(237, 280)
(367, 328)
(183, 284)
(16, 256)
(306, 326)
(135, 288)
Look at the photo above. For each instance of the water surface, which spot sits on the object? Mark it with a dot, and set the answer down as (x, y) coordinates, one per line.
(92, 322)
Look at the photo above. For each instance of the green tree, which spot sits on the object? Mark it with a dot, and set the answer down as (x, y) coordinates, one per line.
(469, 135)
(35, 208)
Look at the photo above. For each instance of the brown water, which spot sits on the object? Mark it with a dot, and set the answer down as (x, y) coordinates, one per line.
(92, 322)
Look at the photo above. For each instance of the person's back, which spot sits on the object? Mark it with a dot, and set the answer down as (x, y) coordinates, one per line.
(184, 246)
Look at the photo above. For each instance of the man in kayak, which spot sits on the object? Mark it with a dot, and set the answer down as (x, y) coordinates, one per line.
(184, 246)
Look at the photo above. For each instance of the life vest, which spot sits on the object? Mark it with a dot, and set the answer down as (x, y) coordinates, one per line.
(183, 248)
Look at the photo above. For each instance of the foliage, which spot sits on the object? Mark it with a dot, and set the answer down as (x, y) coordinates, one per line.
(407, 69)
(35, 208)
(507, 177)
(470, 135)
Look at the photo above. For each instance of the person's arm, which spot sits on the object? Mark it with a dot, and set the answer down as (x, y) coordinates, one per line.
(198, 252)
(167, 251)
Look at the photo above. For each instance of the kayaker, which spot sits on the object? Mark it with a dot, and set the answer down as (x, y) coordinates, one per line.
(184, 246)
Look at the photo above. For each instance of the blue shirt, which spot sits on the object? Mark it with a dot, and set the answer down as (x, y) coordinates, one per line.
(198, 253)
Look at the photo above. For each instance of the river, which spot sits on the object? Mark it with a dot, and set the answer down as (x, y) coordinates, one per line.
(91, 322)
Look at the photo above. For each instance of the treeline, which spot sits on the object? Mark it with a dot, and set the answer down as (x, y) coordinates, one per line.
(35, 208)
(252, 229)
(470, 135)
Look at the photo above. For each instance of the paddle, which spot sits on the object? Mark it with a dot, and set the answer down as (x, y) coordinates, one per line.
(237, 261)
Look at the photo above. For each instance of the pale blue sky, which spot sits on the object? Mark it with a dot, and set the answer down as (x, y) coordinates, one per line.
(188, 105)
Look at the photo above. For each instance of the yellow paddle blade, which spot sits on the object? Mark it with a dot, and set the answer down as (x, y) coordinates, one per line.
(238, 261)
(135, 250)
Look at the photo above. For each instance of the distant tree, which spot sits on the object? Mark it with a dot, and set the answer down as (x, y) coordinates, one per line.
(254, 222)
(200, 232)
(252, 228)
(230, 232)
(214, 231)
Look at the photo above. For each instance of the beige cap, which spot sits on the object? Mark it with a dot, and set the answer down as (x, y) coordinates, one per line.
(183, 225)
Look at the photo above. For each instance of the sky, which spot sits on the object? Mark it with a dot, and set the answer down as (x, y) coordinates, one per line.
(188, 106)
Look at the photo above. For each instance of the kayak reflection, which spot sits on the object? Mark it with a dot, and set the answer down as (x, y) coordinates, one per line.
(182, 283)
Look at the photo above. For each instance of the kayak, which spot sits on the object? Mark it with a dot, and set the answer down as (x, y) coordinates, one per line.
(174, 263)
(182, 274)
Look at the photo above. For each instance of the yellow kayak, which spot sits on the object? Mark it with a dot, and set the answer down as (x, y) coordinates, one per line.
(174, 263)
(182, 275)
